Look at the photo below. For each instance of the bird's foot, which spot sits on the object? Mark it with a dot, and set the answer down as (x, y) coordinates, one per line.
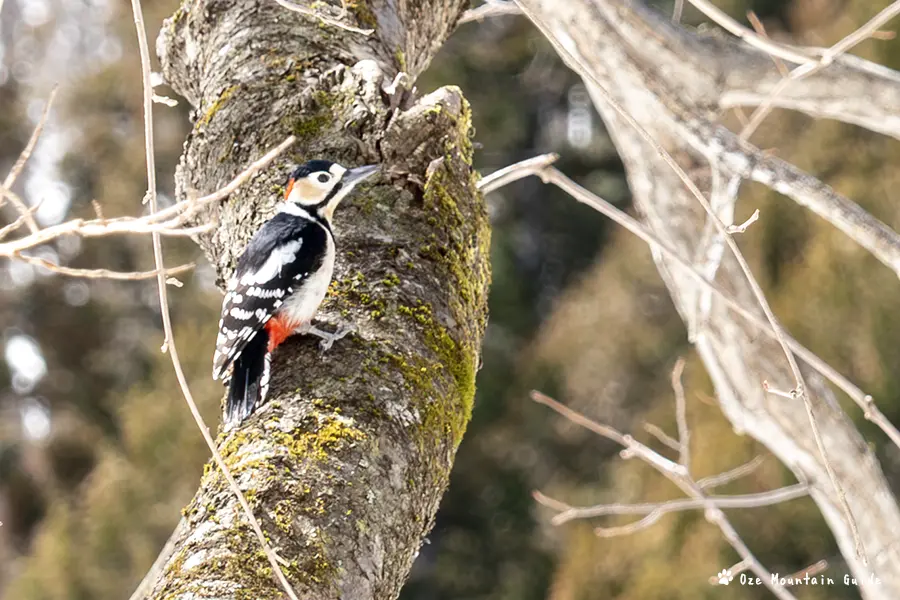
(328, 339)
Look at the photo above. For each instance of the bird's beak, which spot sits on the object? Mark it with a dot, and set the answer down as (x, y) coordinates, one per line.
(348, 182)
(354, 176)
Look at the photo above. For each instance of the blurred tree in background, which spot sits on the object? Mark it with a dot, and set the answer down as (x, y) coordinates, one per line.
(98, 453)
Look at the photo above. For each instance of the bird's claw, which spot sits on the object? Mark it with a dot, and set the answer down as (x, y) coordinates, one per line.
(328, 339)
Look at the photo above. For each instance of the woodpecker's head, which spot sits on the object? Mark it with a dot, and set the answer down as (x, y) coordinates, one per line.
(319, 185)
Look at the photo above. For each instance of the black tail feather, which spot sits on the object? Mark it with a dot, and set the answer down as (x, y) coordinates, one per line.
(249, 379)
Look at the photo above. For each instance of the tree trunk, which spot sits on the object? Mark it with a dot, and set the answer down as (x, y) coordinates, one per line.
(672, 81)
(346, 462)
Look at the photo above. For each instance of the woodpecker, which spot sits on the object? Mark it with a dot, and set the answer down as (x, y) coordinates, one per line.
(280, 280)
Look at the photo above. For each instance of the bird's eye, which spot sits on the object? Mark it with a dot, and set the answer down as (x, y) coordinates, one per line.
(323, 178)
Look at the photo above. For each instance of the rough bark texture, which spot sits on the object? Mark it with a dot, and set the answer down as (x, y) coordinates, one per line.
(346, 462)
(673, 81)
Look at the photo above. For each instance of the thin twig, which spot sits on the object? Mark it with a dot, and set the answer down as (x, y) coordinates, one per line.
(491, 8)
(684, 434)
(630, 528)
(20, 220)
(678, 11)
(167, 222)
(21, 208)
(741, 115)
(169, 342)
(98, 228)
(17, 167)
(748, 467)
(760, 29)
(311, 13)
(549, 502)
(743, 226)
(101, 273)
(810, 571)
(827, 57)
(514, 172)
(756, 500)
(861, 34)
(662, 436)
(750, 36)
(735, 569)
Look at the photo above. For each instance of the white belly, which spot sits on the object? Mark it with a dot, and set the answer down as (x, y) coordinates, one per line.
(301, 306)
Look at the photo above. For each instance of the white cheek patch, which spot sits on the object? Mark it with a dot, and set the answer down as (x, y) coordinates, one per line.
(271, 269)
(308, 192)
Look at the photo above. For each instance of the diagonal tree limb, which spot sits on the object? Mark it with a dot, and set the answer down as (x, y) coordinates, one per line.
(346, 462)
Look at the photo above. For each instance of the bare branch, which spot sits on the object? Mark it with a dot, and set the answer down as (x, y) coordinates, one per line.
(491, 8)
(748, 467)
(684, 434)
(549, 502)
(743, 226)
(323, 19)
(760, 29)
(21, 207)
(167, 222)
(29, 211)
(662, 436)
(735, 569)
(678, 11)
(827, 57)
(101, 273)
(810, 571)
(570, 513)
(584, 71)
(630, 528)
(752, 38)
(745, 160)
(519, 170)
(6, 188)
(861, 34)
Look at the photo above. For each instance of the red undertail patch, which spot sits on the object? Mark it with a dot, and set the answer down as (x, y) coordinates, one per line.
(279, 329)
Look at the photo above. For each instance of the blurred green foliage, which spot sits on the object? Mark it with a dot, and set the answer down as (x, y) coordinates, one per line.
(577, 310)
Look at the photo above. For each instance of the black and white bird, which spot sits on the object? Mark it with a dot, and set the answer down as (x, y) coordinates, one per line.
(280, 280)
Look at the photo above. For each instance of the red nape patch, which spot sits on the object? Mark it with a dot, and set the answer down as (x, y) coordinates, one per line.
(290, 186)
(279, 329)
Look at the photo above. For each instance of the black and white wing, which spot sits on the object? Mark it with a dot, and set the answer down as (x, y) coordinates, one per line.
(282, 253)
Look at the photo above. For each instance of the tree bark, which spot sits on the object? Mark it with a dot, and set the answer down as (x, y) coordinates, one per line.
(673, 82)
(346, 462)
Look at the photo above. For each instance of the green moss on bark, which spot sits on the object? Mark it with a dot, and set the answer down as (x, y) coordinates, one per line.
(215, 106)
